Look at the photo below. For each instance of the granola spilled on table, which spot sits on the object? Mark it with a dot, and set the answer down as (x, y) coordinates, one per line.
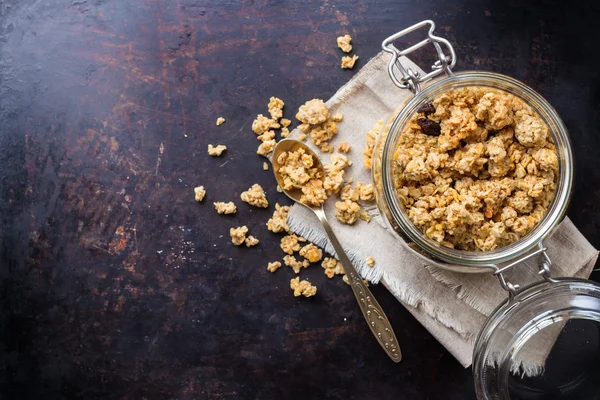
(251, 241)
(220, 120)
(255, 196)
(302, 288)
(348, 62)
(291, 243)
(332, 267)
(475, 169)
(278, 222)
(199, 193)
(343, 43)
(294, 264)
(216, 151)
(238, 235)
(225, 208)
(273, 266)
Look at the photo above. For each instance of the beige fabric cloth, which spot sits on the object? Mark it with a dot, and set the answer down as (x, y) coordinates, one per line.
(452, 307)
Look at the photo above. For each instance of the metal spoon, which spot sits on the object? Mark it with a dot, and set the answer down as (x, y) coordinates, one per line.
(372, 311)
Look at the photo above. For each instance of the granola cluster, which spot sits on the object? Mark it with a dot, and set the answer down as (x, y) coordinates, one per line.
(343, 43)
(216, 151)
(220, 120)
(225, 208)
(255, 196)
(238, 237)
(302, 288)
(278, 222)
(265, 127)
(297, 171)
(199, 193)
(348, 62)
(476, 169)
(314, 116)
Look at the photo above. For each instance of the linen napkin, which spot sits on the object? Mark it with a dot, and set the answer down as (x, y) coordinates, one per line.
(451, 306)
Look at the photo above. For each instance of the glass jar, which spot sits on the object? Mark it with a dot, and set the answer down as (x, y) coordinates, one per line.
(523, 335)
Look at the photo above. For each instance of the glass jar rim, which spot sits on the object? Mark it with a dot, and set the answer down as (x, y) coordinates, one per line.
(557, 208)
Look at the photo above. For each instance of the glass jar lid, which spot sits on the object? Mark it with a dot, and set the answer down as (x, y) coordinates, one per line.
(544, 343)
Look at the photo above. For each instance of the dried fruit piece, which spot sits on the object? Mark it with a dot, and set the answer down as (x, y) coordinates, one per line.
(429, 127)
(427, 108)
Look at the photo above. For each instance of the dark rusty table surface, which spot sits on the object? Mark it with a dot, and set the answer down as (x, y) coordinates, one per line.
(115, 284)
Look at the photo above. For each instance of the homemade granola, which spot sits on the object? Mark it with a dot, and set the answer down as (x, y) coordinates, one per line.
(291, 243)
(332, 267)
(297, 172)
(294, 264)
(311, 252)
(343, 43)
(344, 147)
(313, 112)
(266, 148)
(251, 241)
(262, 124)
(302, 288)
(337, 117)
(371, 138)
(275, 108)
(475, 169)
(255, 196)
(278, 222)
(238, 235)
(216, 151)
(225, 208)
(273, 266)
(347, 211)
(220, 120)
(199, 193)
(348, 62)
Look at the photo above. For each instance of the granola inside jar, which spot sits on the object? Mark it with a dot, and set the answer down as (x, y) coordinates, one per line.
(475, 169)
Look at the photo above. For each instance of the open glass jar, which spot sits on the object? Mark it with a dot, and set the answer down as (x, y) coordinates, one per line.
(518, 353)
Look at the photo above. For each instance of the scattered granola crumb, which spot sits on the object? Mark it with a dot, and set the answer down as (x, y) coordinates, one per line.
(285, 132)
(275, 108)
(302, 288)
(225, 208)
(267, 135)
(255, 196)
(337, 117)
(285, 122)
(312, 253)
(344, 147)
(291, 243)
(238, 235)
(279, 189)
(366, 192)
(294, 264)
(278, 222)
(302, 137)
(364, 216)
(327, 149)
(251, 241)
(199, 193)
(216, 151)
(343, 43)
(332, 267)
(371, 138)
(349, 192)
(370, 261)
(313, 112)
(347, 211)
(265, 166)
(266, 148)
(262, 124)
(220, 120)
(273, 266)
(348, 62)
(345, 279)
(321, 134)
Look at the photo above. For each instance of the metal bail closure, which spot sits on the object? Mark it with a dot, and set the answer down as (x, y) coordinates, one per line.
(410, 79)
(544, 270)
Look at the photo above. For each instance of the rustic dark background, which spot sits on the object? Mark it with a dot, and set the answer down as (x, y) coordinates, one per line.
(115, 284)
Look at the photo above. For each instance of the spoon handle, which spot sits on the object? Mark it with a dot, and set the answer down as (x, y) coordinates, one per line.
(372, 311)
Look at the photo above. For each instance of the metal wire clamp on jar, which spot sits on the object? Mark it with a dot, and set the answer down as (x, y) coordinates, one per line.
(527, 311)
